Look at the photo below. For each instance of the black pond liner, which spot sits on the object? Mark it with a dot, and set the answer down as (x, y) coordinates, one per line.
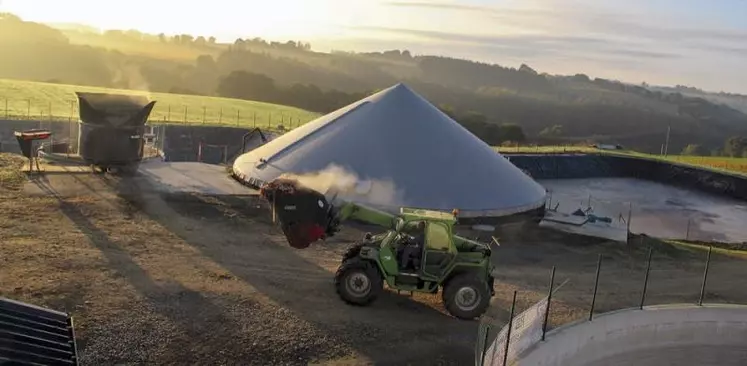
(559, 166)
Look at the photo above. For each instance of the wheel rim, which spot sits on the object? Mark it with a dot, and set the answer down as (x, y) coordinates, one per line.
(467, 299)
(358, 284)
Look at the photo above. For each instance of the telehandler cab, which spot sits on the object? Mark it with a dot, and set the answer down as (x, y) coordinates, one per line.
(419, 251)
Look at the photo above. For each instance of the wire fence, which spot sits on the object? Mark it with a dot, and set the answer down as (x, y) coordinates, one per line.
(656, 276)
(68, 110)
(62, 117)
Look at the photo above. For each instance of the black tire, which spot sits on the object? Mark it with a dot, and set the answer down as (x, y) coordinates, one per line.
(358, 282)
(465, 296)
(352, 252)
(129, 170)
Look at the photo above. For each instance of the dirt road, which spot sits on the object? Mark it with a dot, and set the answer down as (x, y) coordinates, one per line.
(204, 280)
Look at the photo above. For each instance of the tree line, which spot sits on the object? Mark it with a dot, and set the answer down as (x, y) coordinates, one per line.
(734, 147)
(251, 86)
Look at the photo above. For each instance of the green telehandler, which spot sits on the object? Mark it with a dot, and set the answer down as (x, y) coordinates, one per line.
(418, 252)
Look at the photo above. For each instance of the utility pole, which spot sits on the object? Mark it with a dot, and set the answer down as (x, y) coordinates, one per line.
(666, 143)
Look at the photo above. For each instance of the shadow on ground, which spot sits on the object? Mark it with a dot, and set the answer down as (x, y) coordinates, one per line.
(396, 330)
(180, 313)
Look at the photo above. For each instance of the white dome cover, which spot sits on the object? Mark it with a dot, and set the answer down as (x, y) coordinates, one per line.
(397, 136)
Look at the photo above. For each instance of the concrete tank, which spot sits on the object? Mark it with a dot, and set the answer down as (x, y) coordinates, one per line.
(657, 335)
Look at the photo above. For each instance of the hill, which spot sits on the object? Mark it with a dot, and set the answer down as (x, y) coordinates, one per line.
(27, 99)
(548, 108)
(736, 101)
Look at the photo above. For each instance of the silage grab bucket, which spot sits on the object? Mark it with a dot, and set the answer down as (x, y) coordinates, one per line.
(305, 215)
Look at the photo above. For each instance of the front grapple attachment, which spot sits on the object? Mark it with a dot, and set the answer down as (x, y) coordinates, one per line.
(304, 214)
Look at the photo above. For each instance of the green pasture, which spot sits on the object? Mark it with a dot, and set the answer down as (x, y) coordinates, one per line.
(46, 101)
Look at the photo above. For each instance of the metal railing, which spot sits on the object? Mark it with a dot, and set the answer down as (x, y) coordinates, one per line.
(531, 326)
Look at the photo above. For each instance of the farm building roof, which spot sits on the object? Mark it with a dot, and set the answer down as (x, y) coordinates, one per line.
(397, 136)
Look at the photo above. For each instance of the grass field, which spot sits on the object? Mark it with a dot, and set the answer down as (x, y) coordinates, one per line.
(719, 163)
(720, 248)
(33, 100)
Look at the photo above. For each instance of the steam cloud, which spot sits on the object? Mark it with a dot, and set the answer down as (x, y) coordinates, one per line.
(130, 77)
(350, 187)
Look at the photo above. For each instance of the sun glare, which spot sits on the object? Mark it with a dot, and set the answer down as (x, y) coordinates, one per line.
(225, 19)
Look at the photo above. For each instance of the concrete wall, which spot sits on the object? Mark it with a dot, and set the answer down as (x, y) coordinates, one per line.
(593, 166)
(61, 130)
(655, 336)
(180, 143)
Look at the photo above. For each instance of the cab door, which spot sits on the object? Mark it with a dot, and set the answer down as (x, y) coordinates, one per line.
(438, 251)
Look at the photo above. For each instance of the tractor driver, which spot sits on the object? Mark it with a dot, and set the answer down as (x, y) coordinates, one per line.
(414, 248)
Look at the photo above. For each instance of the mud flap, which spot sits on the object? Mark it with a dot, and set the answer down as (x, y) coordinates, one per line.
(304, 214)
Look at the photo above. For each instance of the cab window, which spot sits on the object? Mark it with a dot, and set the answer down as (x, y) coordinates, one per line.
(438, 237)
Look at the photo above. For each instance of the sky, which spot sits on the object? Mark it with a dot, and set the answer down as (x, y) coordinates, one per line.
(700, 43)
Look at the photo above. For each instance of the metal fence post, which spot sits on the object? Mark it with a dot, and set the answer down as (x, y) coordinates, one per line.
(238, 115)
(705, 276)
(508, 332)
(484, 345)
(220, 116)
(70, 128)
(204, 114)
(255, 119)
(185, 114)
(274, 213)
(168, 114)
(645, 279)
(687, 231)
(549, 300)
(630, 215)
(596, 287)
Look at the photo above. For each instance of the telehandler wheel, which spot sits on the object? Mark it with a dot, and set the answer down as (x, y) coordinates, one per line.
(466, 297)
(358, 282)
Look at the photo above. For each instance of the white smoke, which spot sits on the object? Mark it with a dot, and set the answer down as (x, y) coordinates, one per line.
(128, 76)
(349, 187)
